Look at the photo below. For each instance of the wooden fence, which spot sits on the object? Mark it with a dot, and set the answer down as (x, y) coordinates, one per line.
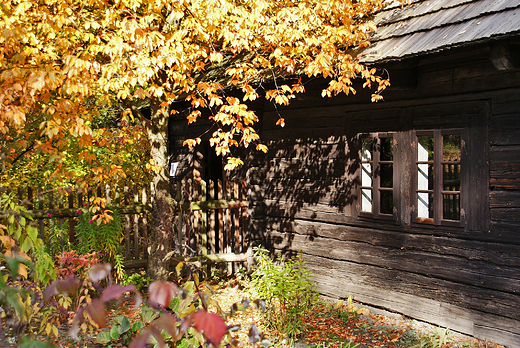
(210, 216)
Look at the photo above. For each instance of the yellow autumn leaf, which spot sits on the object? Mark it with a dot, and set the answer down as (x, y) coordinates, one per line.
(262, 147)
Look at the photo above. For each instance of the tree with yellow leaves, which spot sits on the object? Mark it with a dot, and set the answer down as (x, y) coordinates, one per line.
(55, 56)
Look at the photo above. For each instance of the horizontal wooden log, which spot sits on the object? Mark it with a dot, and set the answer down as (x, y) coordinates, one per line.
(449, 267)
(504, 165)
(485, 300)
(217, 258)
(339, 283)
(506, 214)
(132, 264)
(504, 129)
(328, 192)
(500, 231)
(504, 199)
(494, 253)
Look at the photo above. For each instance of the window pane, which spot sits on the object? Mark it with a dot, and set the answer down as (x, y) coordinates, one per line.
(424, 177)
(366, 149)
(451, 206)
(387, 175)
(386, 202)
(366, 174)
(425, 205)
(451, 151)
(366, 200)
(451, 147)
(451, 177)
(387, 149)
(425, 148)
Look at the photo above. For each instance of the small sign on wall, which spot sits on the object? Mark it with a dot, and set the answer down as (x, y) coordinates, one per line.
(173, 168)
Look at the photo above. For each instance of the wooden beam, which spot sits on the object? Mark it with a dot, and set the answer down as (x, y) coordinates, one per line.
(217, 204)
(194, 260)
(67, 212)
(130, 209)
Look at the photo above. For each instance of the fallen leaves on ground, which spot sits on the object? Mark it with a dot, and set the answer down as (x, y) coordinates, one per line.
(327, 325)
(335, 324)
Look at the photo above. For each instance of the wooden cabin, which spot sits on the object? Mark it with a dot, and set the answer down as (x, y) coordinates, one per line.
(410, 205)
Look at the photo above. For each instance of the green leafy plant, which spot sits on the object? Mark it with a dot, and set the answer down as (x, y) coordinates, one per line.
(438, 338)
(139, 279)
(20, 278)
(59, 239)
(19, 304)
(19, 237)
(119, 267)
(410, 338)
(99, 236)
(123, 331)
(288, 290)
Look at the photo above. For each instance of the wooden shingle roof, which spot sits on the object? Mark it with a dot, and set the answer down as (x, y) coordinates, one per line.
(428, 26)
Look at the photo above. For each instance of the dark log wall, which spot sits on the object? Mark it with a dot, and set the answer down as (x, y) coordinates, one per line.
(304, 196)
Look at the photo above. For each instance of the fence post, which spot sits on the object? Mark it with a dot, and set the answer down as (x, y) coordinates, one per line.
(228, 227)
(127, 226)
(178, 198)
(50, 196)
(41, 226)
(107, 194)
(204, 220)
(243, 196)
(136, 225)
(61, 221)
(212, 217)
(145, 224)
(220, 218)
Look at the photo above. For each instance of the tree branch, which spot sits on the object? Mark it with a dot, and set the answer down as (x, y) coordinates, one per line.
(135, 111)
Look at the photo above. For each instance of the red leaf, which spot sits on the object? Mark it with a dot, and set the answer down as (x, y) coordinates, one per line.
(167, 323)
(211, 324)
(161, 293)
(96, 311)
(63, 286)
(116, 291)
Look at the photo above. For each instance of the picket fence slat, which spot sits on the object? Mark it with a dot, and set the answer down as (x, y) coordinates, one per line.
(210, 216)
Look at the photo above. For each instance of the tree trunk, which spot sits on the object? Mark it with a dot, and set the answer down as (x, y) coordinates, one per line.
(162, 238)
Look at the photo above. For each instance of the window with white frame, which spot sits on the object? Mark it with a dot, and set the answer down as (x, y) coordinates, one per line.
(438, 176)
(435, 179)
(377, 175)
(435, 172)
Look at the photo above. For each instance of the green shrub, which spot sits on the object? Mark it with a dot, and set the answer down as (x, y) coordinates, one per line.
(286, 287)
(139, 279)
(100, 237)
